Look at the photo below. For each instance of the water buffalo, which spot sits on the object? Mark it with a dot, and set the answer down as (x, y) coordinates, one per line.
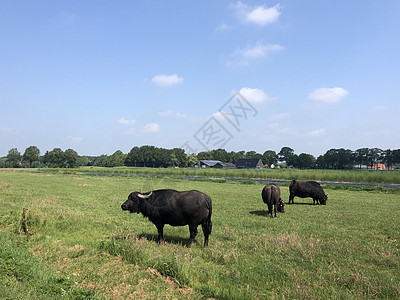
(271, 195)
(305, 189)
(174, 208)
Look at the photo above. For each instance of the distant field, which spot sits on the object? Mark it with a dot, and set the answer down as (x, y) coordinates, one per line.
(357, 176)
(80, 244)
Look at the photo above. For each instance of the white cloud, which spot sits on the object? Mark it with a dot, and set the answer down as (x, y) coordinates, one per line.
(174, 114)
(126, 122)
(255, 95)
(280, 116)
(328, 95)
(164, 80)
(219, 116)
(222, 27)
(74, 138)
(323, 96)
(258, 15)
(263, 16)
(274, 125)
(316, 132)
(151, 128)
(6, 130)
(260, 50)
(242, 57)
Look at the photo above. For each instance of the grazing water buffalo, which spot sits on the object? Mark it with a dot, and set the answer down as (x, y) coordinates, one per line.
(305, 189)
(174, 208)
(271, 195)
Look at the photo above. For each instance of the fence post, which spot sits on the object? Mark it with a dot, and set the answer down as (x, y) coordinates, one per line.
(24, 222)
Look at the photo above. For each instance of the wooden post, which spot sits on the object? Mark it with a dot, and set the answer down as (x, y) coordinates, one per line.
(24, 222)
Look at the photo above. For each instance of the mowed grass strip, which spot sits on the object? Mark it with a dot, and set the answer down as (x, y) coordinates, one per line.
(77, 232)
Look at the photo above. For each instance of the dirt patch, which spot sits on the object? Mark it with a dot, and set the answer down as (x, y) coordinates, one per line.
(4, 185)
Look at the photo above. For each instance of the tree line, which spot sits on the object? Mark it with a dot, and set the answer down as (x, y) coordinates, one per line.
(151, 156)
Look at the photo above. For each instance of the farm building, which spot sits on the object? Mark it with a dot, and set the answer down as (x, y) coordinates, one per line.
(379, 167)
(252, 163)
(214, 164)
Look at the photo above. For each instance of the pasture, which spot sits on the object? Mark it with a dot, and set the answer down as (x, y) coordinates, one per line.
(80, 244)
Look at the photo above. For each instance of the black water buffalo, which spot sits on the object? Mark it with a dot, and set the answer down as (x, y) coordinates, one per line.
(305, 189)
(174, 208)
(271, 195)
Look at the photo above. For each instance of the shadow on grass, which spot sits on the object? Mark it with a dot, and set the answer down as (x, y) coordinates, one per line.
(301, 203)
(261, 213)
(167, 238)
(153, 238)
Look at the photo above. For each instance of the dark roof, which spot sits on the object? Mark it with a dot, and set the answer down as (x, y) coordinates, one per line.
(222, 164)
(214, 164)
(249, 163)
(210, 163)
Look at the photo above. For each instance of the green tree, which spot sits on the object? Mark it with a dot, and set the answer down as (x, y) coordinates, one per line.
(205, 155)
(192, 159)
(374, 156)
(396, 156)
(306, 161)
(220, 154)
(31, 154)
(321, 163)
(83, 161)
(14, 157)
(181, 156)
(149, 158)
(173, 161)
(117, 159)
(253, 154)
(270, 157)
(55, 158)
(70, 158)
(101, 161)
(134, 158)
(339, 158)
(293, 161)
(235, 156)
(285, 155)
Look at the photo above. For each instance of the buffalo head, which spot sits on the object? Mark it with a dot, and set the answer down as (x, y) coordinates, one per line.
(323, 201)
(281, 206)
(134, 202)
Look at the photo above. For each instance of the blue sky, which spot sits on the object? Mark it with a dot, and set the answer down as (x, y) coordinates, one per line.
(101, 76)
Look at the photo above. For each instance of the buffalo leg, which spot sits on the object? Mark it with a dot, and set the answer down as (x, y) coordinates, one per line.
(270, 208)
(160, 228)
(291, 199)
(274, 210)
(193, 233)
(207, 228)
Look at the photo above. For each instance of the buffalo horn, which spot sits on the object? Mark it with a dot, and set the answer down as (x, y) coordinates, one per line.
(145, 196)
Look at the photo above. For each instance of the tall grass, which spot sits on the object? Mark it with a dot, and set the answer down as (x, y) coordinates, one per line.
(355, 176)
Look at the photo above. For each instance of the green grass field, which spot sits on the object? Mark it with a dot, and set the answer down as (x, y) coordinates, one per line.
(81, 245)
